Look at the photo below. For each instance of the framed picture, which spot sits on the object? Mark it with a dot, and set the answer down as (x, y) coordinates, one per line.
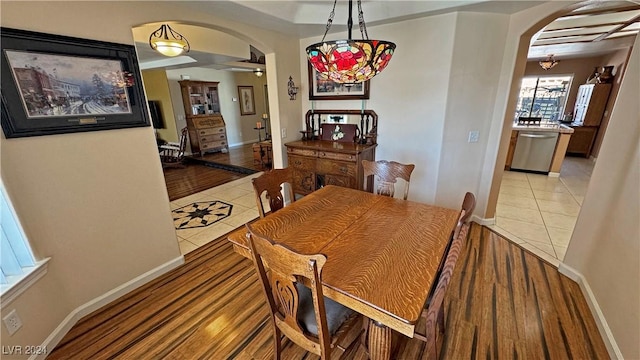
(247, 103)
(328, 90)
(55, 84)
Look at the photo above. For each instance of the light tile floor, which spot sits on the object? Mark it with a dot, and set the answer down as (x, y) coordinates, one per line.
(539, 212)
(238, 193)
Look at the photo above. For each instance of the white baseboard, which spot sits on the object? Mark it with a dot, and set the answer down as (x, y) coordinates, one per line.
(553, 174)
(601, 321)
(483, 221)
(54, 338)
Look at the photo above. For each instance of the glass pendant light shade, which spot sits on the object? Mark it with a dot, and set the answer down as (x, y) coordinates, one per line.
(168, 42)
(350, 61)
(548, 63)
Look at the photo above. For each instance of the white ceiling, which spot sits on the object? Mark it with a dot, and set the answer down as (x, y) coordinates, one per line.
(592, 30)
(569, 36)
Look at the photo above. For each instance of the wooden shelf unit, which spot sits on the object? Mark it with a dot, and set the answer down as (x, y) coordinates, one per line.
(207, 129)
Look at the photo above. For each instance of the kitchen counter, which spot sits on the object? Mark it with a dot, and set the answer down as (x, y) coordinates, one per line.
(559, 128)
(564, 131)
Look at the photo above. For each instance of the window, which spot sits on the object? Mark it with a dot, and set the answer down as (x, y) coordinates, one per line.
(18, 268)
(544, 96)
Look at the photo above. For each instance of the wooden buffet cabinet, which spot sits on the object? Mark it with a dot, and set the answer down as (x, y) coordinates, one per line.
(207, 129)
(316, 162)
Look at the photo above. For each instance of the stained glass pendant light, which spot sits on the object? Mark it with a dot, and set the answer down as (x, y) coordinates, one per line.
(350, 61)
(168, 42)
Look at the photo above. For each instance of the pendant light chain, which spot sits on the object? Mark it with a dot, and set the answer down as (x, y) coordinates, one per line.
(361, 23)
(330, 20)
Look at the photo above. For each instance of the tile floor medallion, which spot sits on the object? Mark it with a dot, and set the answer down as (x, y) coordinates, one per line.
(237, 196)
(200, 214)
(539, 211)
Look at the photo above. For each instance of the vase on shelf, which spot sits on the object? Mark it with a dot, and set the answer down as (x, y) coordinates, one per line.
(606, 76)
(593, 78)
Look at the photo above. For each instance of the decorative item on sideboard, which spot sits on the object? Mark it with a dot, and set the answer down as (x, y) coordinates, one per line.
(606, 76)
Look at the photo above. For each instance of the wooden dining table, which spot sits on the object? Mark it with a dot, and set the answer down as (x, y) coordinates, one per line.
(382, 253)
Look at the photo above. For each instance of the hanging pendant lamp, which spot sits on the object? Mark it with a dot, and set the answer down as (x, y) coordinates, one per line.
(548, 63)
(168, 42)
(350, 61)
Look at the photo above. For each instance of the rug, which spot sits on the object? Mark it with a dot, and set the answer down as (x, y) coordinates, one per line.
(227, 167)
(200, 214)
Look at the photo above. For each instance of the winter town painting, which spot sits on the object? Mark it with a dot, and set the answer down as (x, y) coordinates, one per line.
(58, 85)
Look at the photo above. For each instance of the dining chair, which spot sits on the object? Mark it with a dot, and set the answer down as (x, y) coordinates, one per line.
(468, 205)
(272, 181)
(315, 323)
(172, 153)
(433, 314)
(387, 173)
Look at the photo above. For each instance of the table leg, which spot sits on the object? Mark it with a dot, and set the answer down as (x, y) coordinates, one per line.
(379, 342)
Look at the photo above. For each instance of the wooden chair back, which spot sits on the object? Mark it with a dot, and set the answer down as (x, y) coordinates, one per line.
(434, 313)
(286, 268)
(272, 182)
(387, 173)
(468, 205)
(172, 154)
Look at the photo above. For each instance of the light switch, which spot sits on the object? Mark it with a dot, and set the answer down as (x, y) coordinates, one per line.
(473, 136)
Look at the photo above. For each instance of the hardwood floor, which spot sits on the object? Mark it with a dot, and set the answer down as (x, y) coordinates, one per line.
(503, 302)
(196, 177)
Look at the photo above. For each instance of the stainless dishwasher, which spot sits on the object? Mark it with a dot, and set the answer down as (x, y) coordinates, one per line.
(534, 151)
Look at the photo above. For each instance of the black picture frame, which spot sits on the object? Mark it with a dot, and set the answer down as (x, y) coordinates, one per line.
(39, 99)
(329, 90)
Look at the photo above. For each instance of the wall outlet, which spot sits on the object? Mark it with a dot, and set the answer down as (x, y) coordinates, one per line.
(12, 322)
(284, 133)
(473, 136)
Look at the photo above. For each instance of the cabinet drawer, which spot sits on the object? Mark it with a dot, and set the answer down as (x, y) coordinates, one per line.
(300, 162)
(217, 130)
(337, 156)
(208, 122)
(303, 152)
(325, 166)
(213, 144)
(214, 137)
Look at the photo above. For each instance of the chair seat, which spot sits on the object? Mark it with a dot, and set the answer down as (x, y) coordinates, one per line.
(336, 314)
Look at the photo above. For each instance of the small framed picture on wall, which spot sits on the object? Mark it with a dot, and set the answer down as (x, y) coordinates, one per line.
(246, 99)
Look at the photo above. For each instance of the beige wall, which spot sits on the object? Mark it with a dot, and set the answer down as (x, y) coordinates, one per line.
(156, 87)
(605, 245)
(96, 202)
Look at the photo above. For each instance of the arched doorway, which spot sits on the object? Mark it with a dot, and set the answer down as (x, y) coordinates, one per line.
(540, 211)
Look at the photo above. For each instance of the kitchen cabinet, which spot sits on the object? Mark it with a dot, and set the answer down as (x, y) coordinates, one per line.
(207, 129)
(582, 140)
(512, 149)
(591, 102)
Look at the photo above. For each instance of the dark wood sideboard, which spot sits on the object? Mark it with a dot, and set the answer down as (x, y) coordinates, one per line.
(317, 161)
